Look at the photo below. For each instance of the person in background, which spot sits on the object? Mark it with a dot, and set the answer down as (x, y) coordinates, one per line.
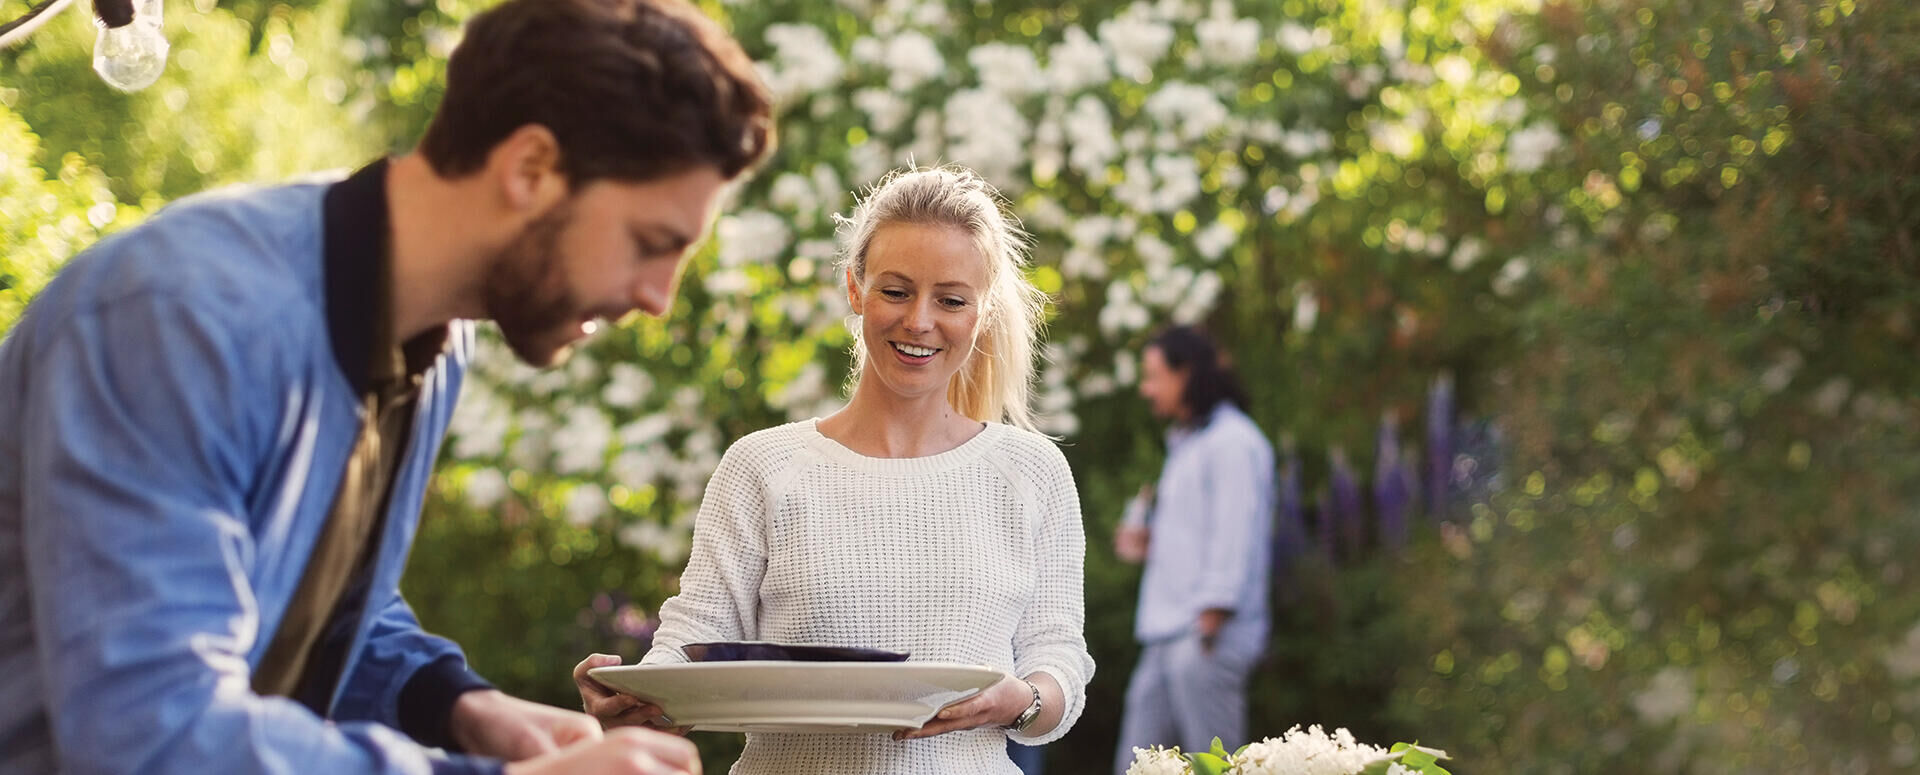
(926, 517)
(1203, 531)
(219, 425)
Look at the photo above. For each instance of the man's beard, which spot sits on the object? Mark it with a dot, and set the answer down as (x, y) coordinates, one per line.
(526, 292)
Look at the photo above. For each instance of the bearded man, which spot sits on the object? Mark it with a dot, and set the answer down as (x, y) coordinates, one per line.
(219, 426)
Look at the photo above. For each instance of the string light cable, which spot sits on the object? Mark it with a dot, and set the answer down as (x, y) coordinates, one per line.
(130, 51)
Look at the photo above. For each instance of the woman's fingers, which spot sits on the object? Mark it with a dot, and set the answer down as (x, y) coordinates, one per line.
(975, 711)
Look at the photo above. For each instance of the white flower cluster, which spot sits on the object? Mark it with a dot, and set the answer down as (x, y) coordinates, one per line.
(1136, 41)
(1157, 761)
(1191, 111)
(751, 237)
(803, 61)
(1225, 39)
(1076, 62)
(1527, 149)
(1310, 752)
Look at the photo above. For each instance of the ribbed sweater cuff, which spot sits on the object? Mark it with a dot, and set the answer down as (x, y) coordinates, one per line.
(426, 702)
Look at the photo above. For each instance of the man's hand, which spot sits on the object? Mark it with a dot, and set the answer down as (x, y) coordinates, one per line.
(1130, 540)
(490, 723)
(1211, 620)
(1130, 543)
(612, 708)
(622, 752)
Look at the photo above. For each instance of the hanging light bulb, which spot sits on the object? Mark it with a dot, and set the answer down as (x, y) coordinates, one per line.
(131, 51)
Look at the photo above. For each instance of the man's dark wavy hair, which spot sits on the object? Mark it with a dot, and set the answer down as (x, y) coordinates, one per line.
(1209, 379)
(633, 90)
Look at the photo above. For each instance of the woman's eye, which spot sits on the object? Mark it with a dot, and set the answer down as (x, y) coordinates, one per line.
(954, 303)
(893, 293)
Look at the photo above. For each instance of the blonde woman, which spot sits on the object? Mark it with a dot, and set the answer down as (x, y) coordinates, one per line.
(926, 517)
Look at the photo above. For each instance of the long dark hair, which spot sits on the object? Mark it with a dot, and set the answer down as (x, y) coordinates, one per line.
(1209, 379)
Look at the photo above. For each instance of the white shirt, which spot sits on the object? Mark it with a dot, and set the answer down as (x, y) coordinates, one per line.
(1212, 531)
(973, 555)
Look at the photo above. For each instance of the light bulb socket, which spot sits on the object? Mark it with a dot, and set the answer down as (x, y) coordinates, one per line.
(113, 14)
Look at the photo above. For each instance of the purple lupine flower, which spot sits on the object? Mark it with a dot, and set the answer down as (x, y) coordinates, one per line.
(1289, 527)
(1392, 493)
(1323, 521)
(1440, 442)
(1347, 506)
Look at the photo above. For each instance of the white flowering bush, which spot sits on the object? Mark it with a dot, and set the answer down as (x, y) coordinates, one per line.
(1309, 751)
(1323, 184)
(1176, 161)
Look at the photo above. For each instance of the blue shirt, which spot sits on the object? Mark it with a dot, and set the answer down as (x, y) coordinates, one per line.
(173, 427)
(1212, 522)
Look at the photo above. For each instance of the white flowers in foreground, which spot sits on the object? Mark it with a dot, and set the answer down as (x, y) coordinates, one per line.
(1158, 761)
(1298, 752)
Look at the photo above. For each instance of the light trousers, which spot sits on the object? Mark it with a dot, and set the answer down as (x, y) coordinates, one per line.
(1182, 694)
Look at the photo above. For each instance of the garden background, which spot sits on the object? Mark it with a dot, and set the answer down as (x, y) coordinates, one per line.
(1590, 326)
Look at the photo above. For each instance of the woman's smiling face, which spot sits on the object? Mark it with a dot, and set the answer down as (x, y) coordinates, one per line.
(920, 309)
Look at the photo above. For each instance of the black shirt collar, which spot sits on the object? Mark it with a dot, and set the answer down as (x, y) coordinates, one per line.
(359, 287)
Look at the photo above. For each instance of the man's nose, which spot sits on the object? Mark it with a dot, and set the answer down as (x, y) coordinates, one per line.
(652, 292)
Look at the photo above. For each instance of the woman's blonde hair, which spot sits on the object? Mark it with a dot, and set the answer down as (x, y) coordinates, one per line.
(996, 382)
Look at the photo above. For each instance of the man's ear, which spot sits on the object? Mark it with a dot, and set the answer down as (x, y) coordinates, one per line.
(526, 169)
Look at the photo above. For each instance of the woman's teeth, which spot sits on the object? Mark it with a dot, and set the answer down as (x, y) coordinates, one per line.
(912, 351)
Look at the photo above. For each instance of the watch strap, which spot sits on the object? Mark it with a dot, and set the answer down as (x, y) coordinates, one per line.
(1025, 720)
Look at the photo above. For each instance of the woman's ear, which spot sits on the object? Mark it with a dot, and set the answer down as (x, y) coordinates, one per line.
(853, 293)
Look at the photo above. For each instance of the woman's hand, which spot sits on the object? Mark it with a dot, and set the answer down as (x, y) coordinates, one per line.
(997, 706)
(612, 708)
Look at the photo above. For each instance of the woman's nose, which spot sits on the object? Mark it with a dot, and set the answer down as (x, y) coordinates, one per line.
(919, 317)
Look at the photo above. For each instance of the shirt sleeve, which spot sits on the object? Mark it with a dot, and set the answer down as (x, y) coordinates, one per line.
(144, 435)
(1051, 636)
(1237, 519)
(407, 678)
(719, 596)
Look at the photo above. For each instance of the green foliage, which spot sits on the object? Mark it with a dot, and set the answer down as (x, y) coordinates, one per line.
(1703, 569)
(225, 111)
(1212, 762)
(1668, 247)
(44, 221)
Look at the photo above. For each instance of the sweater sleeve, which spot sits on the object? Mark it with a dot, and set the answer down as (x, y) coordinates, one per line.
(719, 596)
(1051, 636)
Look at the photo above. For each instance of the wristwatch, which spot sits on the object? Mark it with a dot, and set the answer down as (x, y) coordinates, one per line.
(1026, 718)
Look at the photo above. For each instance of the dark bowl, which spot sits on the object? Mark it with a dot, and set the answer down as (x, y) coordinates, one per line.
(751, 651)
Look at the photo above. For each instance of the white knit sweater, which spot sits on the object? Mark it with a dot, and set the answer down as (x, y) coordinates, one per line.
(973, 555)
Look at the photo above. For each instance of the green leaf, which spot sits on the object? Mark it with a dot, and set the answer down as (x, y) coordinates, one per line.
(1218, 749)
(1207, 764)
